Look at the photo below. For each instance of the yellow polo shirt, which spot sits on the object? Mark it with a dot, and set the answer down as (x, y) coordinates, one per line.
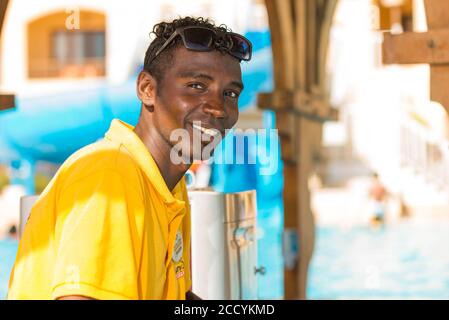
(106, 227)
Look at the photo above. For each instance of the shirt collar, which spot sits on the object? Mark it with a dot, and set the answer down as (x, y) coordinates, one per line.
(124, 134)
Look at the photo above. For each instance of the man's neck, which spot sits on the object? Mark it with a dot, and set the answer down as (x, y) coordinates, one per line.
(160, 151)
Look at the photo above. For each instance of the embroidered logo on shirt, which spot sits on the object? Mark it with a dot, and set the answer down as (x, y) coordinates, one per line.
(177, 250)
(179, 271)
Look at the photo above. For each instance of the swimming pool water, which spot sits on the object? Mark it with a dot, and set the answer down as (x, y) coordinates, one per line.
(8, 250)
(407, 260)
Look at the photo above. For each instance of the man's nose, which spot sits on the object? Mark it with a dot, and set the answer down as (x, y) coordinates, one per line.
(214, 106)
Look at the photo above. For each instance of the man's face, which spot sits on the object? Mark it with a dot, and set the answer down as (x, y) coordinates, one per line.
(199, 94)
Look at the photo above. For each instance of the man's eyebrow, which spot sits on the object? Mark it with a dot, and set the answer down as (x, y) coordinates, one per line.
(195, 75)
(238, 84)
(198, 75)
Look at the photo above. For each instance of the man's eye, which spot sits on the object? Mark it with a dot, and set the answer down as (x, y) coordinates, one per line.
(231, 94)
(195, 85)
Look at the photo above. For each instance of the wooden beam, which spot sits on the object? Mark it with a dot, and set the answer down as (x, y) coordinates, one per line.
(3, 7)
(278, 100)
(299, 33)
(439, 80)
(300, 7)
(437, 14)
(410, 48)
(291, 207)
(276, 43)
(312, 43)
(299, 102)
(285, 123)
(309, 131)
(282, 42)
(330, 7)
(7, 101)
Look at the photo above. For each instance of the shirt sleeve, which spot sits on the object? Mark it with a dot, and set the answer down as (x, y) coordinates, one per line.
(97, 239)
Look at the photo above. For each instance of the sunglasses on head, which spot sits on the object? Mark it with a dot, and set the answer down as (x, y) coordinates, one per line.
(198, 38)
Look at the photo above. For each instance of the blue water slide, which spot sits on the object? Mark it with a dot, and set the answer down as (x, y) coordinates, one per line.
(52, 127)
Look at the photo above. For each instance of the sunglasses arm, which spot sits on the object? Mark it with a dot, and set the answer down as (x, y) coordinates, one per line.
(166, 43)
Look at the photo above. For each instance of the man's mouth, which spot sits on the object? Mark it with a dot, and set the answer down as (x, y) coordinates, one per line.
(207, 131)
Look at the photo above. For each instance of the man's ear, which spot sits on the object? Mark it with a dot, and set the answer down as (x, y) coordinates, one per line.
(146, 89)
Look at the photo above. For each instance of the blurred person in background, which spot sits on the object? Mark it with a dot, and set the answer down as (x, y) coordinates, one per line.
(114, 222)
(378, 201)
(12, 233)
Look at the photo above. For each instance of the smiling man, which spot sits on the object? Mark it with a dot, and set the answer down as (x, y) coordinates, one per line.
(114, 222)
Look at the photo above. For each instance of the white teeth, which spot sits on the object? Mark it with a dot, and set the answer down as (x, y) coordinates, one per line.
(210, 132)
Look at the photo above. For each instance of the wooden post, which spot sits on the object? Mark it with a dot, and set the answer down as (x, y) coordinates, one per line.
(3, 6)
(7, 101)
(299, 34)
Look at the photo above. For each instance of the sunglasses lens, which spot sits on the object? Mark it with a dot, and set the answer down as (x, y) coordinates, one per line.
(198, 38)
(241, 48)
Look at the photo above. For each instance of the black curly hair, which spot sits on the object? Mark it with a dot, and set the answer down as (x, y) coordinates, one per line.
(163, 30)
